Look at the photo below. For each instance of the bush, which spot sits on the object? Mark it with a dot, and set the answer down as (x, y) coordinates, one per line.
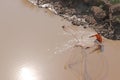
(115, 1)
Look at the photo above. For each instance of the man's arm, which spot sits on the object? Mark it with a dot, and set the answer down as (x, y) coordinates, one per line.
(92, 36)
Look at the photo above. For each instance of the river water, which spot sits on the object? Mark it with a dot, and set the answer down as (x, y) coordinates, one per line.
(32, 46)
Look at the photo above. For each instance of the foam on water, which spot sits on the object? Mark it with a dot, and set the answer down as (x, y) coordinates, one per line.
(33, 1)
(79, 36)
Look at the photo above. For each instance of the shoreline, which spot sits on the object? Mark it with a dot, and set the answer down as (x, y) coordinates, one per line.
(81, 16)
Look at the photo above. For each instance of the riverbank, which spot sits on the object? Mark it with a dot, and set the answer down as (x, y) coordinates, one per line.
(94, 15)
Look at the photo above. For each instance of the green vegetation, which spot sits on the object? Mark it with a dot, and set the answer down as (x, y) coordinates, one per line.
(115, 1)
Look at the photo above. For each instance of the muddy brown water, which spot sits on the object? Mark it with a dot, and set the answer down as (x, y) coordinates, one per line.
(28, 40)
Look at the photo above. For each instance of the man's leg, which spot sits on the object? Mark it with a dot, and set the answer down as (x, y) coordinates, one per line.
(100, 45)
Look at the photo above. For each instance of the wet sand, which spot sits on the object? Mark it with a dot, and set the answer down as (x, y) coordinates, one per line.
(28, 39)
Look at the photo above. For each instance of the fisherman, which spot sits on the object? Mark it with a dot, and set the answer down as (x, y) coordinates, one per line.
(98, 41)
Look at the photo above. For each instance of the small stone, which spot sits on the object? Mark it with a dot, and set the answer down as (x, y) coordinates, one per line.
(98, 12)
(89, 19)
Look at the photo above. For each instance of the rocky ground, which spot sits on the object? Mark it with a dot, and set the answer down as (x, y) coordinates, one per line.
(103, 16)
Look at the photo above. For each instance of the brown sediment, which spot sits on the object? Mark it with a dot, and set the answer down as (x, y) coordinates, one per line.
(28, 4)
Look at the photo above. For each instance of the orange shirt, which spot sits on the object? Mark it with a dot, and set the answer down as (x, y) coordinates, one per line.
(98, 37)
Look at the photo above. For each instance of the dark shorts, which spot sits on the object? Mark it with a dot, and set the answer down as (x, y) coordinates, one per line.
(100, 45)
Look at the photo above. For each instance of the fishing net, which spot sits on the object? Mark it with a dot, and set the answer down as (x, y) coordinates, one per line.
(81, 63)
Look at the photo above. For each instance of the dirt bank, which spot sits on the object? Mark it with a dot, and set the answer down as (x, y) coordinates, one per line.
(103, 16)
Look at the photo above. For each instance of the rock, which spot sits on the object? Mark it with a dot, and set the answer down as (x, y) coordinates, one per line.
(59, 8)
(70, 11)
(116, 19)
(98, 12)
(91, 2)
(115, 8)
(76, 23)
(89, 19)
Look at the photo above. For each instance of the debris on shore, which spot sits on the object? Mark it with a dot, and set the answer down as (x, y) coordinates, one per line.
(101, 15)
